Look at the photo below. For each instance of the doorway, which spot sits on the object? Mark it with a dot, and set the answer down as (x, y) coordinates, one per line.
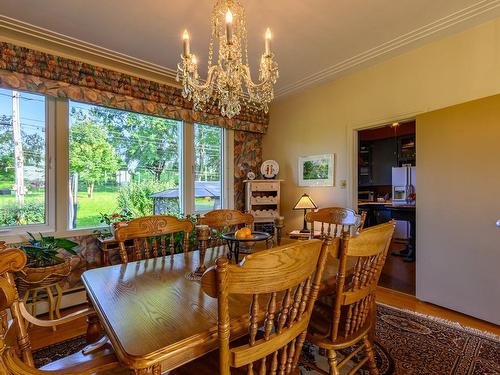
(386, 175)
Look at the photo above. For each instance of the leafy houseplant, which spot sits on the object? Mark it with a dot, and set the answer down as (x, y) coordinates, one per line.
(44, 266)
(43, 252)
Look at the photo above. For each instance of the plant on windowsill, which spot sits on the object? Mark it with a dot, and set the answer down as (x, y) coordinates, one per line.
(114, 220)
(44, 265)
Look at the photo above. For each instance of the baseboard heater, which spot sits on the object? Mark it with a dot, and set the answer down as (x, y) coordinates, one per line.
(71, 297)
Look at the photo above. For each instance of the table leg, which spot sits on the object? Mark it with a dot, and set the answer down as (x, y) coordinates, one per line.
(229, 250)
(94, 329)
(237, 252)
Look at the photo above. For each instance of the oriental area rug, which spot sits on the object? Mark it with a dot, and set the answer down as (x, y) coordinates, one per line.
(407, 343)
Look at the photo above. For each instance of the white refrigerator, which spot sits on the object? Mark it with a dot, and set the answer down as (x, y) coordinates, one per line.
(404, 183)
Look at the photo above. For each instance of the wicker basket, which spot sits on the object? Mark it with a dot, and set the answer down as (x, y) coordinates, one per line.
(31, 278)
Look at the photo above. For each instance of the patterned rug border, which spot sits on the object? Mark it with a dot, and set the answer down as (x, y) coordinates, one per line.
(446, 322)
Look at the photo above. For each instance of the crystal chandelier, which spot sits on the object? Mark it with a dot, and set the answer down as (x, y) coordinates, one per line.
(228, 82)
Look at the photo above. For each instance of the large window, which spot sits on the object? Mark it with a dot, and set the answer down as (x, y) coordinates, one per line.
(116, 160)
(208, 155)
(22, 159)
(121, 160)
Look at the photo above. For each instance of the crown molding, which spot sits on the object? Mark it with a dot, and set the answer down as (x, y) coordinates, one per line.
(39, 33)
(393, 45)
(327, 74)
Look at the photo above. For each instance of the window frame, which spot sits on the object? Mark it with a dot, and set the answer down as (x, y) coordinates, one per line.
(224, 176)
(17, 233)
(57, 172)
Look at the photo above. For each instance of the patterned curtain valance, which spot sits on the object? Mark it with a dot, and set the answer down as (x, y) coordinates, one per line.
(26, 69)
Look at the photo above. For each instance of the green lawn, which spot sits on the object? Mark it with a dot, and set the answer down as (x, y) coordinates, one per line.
(38, 196)
(90, 208)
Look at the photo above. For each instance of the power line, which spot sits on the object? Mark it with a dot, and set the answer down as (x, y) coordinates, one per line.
(24, 98)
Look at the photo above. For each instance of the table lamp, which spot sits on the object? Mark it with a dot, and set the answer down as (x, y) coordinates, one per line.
(305, 202)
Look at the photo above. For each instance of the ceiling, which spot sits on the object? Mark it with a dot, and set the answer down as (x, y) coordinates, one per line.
(314, 40)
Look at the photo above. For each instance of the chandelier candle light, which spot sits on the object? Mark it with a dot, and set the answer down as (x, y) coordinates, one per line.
(229, 82)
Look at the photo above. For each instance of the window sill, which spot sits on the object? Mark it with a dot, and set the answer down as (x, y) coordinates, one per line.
(21, 236)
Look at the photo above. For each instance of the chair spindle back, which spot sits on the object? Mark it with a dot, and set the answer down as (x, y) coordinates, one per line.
(153, 236)
(223, 221)
(282, 284)
(355, 293)
(334, 222)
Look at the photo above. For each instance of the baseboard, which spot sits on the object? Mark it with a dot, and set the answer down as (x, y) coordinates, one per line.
(71, 297)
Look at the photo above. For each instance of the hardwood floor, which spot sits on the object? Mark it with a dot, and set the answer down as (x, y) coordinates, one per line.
(41, 337)
(398, 274)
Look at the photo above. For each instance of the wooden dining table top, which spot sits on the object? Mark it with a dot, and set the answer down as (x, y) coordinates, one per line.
(153, 314)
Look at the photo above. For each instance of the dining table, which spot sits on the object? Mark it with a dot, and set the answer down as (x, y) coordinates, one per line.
(157, 317)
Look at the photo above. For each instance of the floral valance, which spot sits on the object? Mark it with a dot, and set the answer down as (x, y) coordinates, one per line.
(26, 69)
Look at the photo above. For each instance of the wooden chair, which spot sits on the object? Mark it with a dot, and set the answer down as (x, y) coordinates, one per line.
(334, 221)
(349, 319)
(15, 348)
(152, 236)
(281, 285)
(362, 215)
(223, 221)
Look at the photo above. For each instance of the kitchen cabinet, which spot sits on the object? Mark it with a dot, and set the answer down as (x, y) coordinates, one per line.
(377, 157)
(384, 157)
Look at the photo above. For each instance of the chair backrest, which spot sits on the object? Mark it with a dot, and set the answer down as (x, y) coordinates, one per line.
(334, 222)
(153, 236)
(282, 285)
(355, 292)
(362, 215)
(223, 221)
(13, 333)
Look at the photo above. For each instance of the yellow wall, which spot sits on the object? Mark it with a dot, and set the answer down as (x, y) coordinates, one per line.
(458, 175)
(454, 70)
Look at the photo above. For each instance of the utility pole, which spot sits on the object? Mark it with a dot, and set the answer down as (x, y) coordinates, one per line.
(18, 149)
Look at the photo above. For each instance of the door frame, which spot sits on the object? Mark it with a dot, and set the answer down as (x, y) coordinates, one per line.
(352, 151)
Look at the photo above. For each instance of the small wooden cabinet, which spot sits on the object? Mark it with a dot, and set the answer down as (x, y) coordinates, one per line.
(262, 200)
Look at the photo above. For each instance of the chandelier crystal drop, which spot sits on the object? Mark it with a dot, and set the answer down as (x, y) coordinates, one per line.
(229, 82)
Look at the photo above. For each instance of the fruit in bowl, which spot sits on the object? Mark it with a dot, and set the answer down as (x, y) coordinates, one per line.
(243, 233)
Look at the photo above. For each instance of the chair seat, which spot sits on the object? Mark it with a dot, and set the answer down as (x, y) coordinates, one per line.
(318, 332)
(102, 362)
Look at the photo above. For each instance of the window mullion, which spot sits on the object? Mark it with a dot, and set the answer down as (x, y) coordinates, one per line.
(187, 191)
(62, 165)
(228, 169)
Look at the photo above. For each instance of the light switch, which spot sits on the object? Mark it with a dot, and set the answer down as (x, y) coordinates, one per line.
(343, 184)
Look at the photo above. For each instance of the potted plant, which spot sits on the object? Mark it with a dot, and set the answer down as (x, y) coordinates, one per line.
(44, 265)
(116, 219)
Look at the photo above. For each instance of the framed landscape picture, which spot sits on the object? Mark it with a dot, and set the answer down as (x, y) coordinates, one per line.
(316, 170)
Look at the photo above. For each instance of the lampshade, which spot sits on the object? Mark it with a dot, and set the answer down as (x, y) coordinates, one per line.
(305, 202)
